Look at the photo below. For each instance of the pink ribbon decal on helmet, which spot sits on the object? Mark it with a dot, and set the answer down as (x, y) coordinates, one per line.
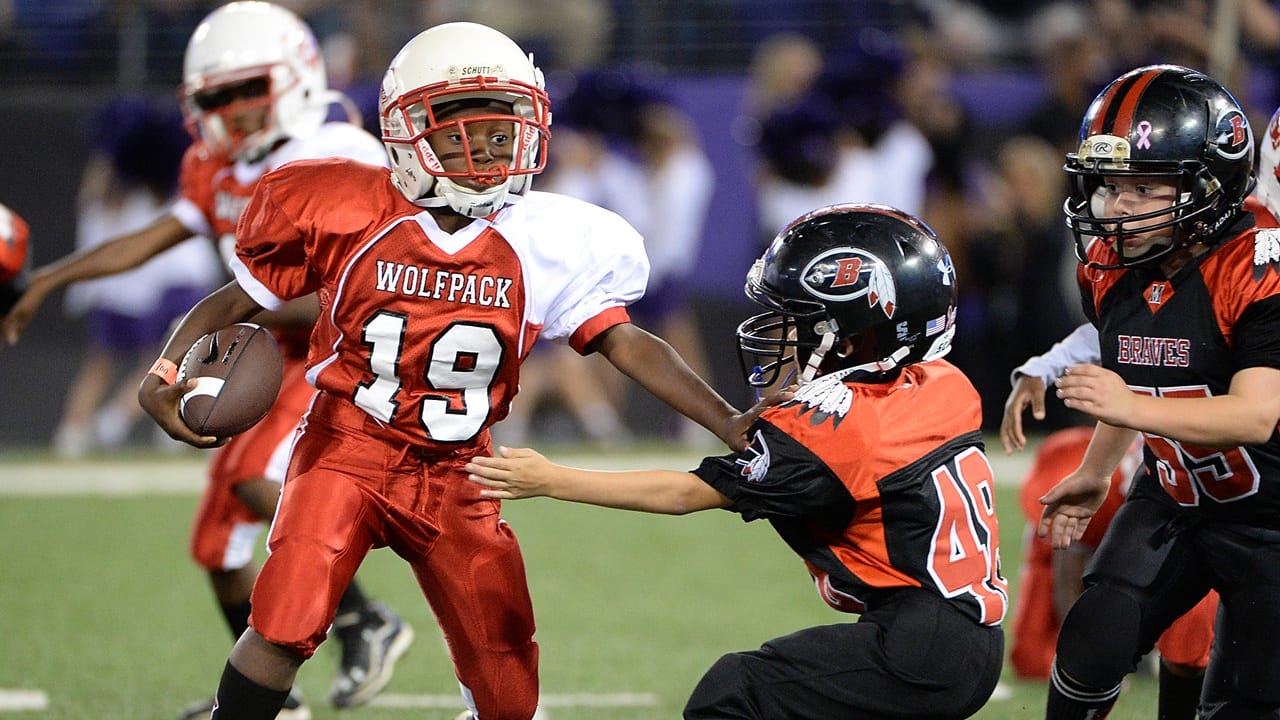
(1144, 135)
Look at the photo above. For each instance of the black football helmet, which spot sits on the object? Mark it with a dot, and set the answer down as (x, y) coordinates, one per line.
(843, 271)
(1171, 123)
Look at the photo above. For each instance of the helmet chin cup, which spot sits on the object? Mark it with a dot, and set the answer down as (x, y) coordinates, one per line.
(473, 203)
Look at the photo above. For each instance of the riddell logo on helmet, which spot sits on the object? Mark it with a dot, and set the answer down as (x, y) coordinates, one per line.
(844, 274)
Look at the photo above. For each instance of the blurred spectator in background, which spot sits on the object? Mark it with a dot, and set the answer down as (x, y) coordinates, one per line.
(129, 182)
(623, 144)
(1018, 296)
(783, 68)
(1075, 62)
(845, 140)
(561, 34)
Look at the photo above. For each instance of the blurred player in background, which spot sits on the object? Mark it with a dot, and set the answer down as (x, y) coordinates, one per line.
(434, 281)
(623, 144)
(14, 258)
(874, 474)
(129, 181)
(255, 94)
(1051, 580)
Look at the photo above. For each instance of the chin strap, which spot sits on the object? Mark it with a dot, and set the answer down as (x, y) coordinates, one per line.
(815, 357)
(883, 365)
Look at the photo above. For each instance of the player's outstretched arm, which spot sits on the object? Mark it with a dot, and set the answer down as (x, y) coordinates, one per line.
(658, 368)
(1027, 393)
(1031, 378)
(523, 473)
(1070, 504)
(225, 306)
(110, 258)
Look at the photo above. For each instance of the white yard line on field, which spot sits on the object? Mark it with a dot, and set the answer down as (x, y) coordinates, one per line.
(23, 700)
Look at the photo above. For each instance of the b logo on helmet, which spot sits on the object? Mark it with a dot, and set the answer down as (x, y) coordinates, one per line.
(1231, 136)
(844, 274)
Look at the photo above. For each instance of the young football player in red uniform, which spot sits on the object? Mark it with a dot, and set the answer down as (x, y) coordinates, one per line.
(890, 506)
(255, 94)
(434, 280)
(13, 257)
(1185, 293)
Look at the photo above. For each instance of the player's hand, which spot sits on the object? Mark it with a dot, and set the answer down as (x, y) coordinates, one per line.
(161, 402)
(1069, 506)
(1097, 392)
(19, 316)
(512, 474)
(1028, 392)
(737, 429)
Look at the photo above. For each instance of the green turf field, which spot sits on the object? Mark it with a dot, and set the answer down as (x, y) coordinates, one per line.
(102, 613)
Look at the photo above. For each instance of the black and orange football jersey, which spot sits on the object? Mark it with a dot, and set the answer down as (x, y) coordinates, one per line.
(1156, 334)
(877, 486)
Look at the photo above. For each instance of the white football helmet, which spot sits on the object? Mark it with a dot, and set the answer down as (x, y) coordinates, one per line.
(462, 61)
(242, 42)
(1269, 167)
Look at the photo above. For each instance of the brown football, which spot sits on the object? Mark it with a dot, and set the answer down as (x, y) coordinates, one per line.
(238, 369)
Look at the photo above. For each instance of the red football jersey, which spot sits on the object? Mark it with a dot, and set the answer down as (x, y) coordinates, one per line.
(1058, 456)
(425, 330)
(214, 192)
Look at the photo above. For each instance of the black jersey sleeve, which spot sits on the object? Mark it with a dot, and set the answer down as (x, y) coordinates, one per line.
(777, 477)
(1257, 334)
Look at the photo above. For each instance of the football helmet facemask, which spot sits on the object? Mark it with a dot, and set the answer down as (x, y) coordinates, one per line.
(1269, 167)
(462, 62)
(248, 55)
(1172, 124)
(866, 272)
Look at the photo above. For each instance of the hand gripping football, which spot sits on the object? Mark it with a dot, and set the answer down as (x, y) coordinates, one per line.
(238, 373)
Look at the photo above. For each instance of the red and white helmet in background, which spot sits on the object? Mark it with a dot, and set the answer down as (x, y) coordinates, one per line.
(462, 61)
(13, 244)
(1268, 190)
(245, 41)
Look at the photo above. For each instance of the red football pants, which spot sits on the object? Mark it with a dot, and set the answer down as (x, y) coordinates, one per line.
(350, 489)
(225, 531)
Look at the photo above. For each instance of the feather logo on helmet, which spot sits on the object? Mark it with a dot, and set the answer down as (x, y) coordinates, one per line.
(844, 274)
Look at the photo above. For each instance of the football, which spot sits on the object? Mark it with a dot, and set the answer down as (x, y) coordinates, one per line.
(238, 374)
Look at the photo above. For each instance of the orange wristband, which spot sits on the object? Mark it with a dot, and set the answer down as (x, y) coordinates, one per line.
(165, 370)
